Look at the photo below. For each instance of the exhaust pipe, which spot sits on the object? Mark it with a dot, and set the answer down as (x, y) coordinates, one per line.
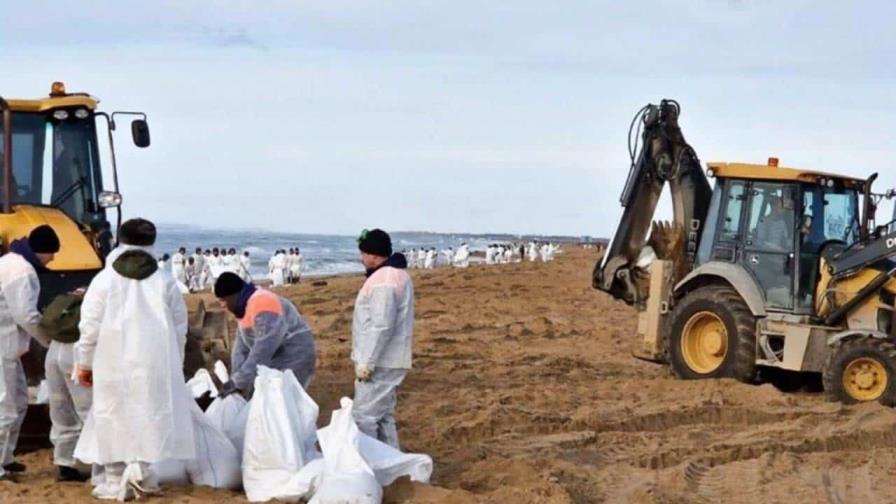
(7, 156)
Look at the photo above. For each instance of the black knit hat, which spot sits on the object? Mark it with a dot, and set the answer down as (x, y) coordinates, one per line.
(43, 240)
(228, 284)
(139, 232)
(375, 242)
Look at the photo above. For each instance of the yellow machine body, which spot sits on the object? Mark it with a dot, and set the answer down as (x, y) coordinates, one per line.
(76, 252)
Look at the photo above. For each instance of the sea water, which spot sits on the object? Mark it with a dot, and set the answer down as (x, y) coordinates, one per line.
(323, 254)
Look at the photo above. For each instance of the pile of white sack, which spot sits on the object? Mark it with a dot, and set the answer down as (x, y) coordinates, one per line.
(269, 447)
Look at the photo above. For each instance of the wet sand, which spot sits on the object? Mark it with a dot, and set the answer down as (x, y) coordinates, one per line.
(524, 391)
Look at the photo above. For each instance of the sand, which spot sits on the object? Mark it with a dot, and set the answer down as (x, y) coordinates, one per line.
(524, 390)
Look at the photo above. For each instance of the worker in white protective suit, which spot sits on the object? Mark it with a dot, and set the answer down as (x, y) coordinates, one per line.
(277, 268)
(462, 256)
(19, 319)
(245, 267)
(271, 333)
(490, 254)
(178, 264)
(532, 251)
(430, 261)
(215, 267)
(449, 256)
(131, 351)
(382, 336)
(295, 267)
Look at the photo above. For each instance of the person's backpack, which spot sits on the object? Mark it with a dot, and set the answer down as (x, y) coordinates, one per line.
(61, 317)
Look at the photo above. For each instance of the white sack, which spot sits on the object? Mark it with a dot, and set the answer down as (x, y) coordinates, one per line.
(43, 393)
(357, 488)
(347, 478)
(217, 462)
(202, 382)
(280, 437)
(171, 472)
(389, 464)
(229, 415)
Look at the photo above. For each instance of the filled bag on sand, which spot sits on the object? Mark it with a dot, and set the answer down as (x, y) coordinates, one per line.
(171, 472)
(280, 438)
(228, 415)
(217, 462)
(202, 383)
(347, 478)
(388, 464)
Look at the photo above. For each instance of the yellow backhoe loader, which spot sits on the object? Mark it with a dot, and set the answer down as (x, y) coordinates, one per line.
(52, 175)
(771, 268)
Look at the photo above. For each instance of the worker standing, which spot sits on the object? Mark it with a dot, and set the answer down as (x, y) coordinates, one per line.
(178, 264)
(131, 351)
(382, 336)
(19, 319)
(271, 333)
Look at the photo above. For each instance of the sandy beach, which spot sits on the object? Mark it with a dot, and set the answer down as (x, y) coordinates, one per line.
(524, 390)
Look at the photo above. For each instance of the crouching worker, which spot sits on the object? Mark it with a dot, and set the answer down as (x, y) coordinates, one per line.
(271, 333)
(131, 351)
(19, 322)
(382, 336)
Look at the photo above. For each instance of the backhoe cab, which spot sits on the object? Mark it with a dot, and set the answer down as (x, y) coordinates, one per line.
(777, 268)
(52, 175)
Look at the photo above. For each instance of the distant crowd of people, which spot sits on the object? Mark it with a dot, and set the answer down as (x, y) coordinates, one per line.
(497, 253)
(200, 270)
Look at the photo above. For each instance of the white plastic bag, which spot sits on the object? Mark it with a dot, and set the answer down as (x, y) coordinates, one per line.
(389, 464)
(171, 472)
(280, 438)
(347, 478)
(200, 383)
(228, 415)
(217, 462)
(43, 393)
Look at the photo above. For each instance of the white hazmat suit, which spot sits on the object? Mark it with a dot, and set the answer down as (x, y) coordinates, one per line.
(19, 319)
(133, 330)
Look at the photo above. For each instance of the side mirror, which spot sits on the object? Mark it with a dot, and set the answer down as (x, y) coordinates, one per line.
(140, 132)
(109, 199)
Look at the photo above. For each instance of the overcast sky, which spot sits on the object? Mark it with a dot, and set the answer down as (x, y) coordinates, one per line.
(330, 116)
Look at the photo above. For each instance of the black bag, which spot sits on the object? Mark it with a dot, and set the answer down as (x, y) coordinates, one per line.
(61, 318)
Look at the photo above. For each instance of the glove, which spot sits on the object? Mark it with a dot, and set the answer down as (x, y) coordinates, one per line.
(363, 372)
(227, 389)
(85, 377)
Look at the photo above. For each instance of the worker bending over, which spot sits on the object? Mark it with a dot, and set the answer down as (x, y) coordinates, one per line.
(271, 333)
(382, 336)
(19, 319)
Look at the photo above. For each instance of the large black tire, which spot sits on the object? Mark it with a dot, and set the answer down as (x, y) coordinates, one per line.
(881, 351)
(724, 302)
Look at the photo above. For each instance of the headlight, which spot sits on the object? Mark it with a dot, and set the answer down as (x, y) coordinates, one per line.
(109, 199)
(60, 115)
(81, 113)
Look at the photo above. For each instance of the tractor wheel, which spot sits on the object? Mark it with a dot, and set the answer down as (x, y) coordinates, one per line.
(712, 334)
(862, 369)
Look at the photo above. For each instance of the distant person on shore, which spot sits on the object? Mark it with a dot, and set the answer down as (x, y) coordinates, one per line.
(277, 268)
(449, 256)
(430, 259)
(245, 267)
(271, 333)
(198, 266)
(462, 257)
(295, 267)
(382, 336)
(205, 274)
(533, 251)
(178, 261)
(421, 257)
(164, 263)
